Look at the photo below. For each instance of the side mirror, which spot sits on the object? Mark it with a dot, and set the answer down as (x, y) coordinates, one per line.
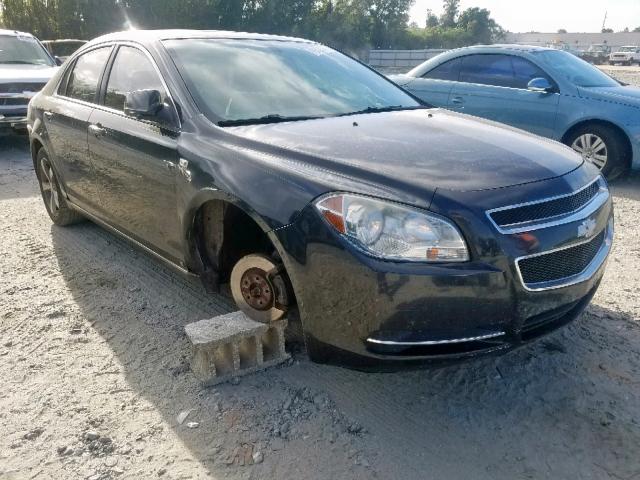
(58, 60)
(143, 103)
(540, 85)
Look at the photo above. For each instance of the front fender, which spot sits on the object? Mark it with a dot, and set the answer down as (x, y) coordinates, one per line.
(193, 204)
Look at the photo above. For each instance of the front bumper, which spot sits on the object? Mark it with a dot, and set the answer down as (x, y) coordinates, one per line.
(620, 59)
(13, 111)
(13, 121)
(367, 313)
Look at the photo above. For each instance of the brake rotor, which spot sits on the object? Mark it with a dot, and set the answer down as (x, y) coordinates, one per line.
(259, 289)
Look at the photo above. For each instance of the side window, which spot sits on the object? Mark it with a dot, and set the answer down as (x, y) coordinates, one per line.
(446, 71)
(131, 71)
(525, 71)
(487, 69)
(83, 80)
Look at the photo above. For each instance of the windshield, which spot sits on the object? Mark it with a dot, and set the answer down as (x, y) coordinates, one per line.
(628, 49)
(575, 70)
(234, 80)
(23, 50)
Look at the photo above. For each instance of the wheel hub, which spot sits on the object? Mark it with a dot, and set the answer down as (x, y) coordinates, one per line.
(257, 289)
(592, 148)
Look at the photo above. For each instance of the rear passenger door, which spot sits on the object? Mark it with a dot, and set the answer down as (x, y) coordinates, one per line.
(67, 120)
(435, 85)
(494, 86)
(136, 159)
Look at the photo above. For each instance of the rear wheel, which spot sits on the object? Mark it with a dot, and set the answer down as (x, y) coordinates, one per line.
(259, 287)
(54, 201)
(603, 146)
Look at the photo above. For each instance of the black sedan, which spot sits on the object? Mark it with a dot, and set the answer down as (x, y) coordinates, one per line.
(307, 181)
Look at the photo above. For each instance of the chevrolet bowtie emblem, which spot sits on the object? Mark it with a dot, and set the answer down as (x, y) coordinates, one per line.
(587, 228)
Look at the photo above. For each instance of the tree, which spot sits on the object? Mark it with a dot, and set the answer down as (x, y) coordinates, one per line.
(637, 29)
(479, 25)
(432, 20)
(387, 18)
(607, 30)
(562, 30)
(351, 25)
(450, 14)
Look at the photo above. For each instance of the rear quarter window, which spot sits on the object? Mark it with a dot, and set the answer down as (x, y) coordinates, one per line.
(449, 70)
(82, 83)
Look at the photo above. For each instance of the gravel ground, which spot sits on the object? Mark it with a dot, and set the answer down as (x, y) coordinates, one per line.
(630, 75)
(96, 383)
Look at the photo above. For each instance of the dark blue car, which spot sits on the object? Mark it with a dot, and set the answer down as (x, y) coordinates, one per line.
(544, 91)
(309, 183)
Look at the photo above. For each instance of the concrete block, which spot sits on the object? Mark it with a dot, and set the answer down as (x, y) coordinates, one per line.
(233, 345)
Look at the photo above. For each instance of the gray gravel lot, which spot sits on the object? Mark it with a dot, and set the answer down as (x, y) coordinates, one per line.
(94, 364)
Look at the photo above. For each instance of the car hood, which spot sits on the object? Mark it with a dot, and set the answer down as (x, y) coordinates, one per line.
(417, 150)
(26, 73)
(626, 95)
(400, 79)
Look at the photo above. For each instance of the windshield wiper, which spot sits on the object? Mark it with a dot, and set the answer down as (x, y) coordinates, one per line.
(390, 108)
(272, 118)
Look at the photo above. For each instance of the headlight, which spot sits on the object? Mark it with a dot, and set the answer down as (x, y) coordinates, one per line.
(391, 231)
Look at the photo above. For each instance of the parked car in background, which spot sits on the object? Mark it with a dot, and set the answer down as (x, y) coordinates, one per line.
(566, 48)
(548, 92)
(25, 67)
(597, 54)
(401, 232)
(626, 56)
(62, 49)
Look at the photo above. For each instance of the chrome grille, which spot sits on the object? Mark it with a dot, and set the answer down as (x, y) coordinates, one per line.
(21, 87)
(560, 264)
(14, 102)
(545, 209)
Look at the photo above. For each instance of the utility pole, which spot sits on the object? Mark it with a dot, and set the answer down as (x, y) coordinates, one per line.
(604, 22)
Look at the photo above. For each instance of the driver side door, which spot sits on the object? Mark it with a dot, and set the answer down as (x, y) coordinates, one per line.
(494, 86)
(136, 159)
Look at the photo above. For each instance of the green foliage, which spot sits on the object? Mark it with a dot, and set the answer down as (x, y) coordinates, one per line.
(432, 19)
(351, 25)
(451, 10)
(471, 27)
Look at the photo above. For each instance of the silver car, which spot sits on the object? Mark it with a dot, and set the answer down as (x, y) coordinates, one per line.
(25, 67)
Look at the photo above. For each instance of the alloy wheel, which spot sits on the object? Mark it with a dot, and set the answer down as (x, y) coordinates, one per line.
(592, 148)
(49, 184)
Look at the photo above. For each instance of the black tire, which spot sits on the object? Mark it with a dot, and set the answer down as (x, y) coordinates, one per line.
(617, 150)
(55, 203)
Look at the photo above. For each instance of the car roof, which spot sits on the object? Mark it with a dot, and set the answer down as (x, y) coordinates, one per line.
(507, 46)
(147, 36)
(14, 33)
(64, 40)
(475, 49)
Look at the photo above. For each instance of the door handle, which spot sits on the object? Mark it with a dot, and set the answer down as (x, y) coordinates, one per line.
(457, 100)
(169, 165)
(97, 130)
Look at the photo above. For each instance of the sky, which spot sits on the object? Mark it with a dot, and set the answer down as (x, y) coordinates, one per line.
(547, 15)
